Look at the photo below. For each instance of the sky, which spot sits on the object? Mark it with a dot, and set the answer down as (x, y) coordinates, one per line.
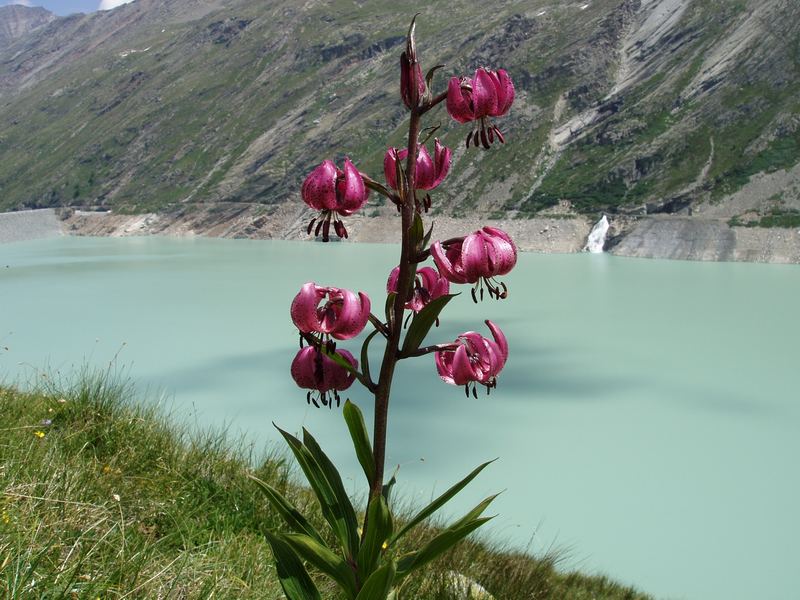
(66, 7)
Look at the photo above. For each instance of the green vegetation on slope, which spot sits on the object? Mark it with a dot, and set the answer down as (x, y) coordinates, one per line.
(141, 109)
(103, 497)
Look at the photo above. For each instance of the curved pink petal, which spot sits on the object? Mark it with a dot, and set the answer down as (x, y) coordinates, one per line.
(505, 93)
(504, 251)
(462, 367)
(484, 94)
(443, 262)
(458, 103)
(304, 308)
(391, 284)
(474, 257)
(424, 173)
(428, 276)
(337, 377)
(441, 163)
(350, 189)
(390, 167)
(319, 188)
(303, 368)
(499, 338)
(444, 365)
(353, 316)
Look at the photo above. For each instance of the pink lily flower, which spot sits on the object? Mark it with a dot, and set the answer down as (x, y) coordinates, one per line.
(475, 359)
(428, 285)
(487, 94)
(313, 370)
(478, 258)
(335, 193)
(405, 81)
(429, 172)
(343, 315)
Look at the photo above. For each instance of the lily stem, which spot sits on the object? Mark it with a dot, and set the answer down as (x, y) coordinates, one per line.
(404, 283)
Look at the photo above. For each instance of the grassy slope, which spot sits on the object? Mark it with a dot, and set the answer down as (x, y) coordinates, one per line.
(113, 501)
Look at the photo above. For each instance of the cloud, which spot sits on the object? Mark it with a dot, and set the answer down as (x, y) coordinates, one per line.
(109, 4)
(20, 2)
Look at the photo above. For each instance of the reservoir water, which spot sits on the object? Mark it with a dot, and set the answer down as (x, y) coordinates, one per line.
(647, 421)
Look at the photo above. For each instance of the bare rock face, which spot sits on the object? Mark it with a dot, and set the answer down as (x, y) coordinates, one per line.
(17, 21)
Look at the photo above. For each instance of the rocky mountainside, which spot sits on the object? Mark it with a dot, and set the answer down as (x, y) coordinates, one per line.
(623, 106)
(17, 21)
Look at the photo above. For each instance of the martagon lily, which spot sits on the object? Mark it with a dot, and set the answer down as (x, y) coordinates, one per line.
(475, 359)
(478, 258)
(330, 311)
(430, 171)
(313, 370)
(487, 94)
(428, 285)
(336, 193)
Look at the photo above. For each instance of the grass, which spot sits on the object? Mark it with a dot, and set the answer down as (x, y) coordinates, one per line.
(106, 497)
(777, 217)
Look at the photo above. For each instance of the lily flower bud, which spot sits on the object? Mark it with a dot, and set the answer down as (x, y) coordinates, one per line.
(406, 90)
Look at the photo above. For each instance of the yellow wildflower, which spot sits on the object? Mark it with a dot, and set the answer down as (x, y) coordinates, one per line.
(39, 434)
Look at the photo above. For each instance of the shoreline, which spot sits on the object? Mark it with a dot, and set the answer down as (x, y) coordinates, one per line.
(653, 236)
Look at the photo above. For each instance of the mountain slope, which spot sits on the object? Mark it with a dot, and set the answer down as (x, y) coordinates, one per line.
(17, 21)
(621, 104)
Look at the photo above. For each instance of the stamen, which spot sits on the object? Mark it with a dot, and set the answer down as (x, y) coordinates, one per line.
(310, 226)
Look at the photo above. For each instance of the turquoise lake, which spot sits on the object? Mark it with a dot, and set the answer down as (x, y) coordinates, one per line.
(647, 421)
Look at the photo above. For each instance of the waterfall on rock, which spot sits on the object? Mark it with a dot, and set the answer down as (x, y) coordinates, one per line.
(597, 237)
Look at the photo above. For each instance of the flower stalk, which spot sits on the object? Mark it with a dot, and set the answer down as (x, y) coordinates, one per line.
(363, 564)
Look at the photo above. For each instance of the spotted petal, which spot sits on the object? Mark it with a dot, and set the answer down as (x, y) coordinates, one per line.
(350, 190)
(319, 188)
(484, 94)
(304, 308)
(459, 104)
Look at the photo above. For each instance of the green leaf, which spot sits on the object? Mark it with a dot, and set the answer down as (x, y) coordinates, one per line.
(358, 432)
(417, 232)
(475, 512)
(342, 499)
(294, 578)
(429, 76)
(365, 355)
(427, 239)
(437, 546)
(339, 515)
(400, 178)
(379, 530)
(379, 584)
(439, 502)
(339, 359)
(331, 564)
(293, 517)
(386, 490)
(429, 131)
(423, 321)
(389, 307)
